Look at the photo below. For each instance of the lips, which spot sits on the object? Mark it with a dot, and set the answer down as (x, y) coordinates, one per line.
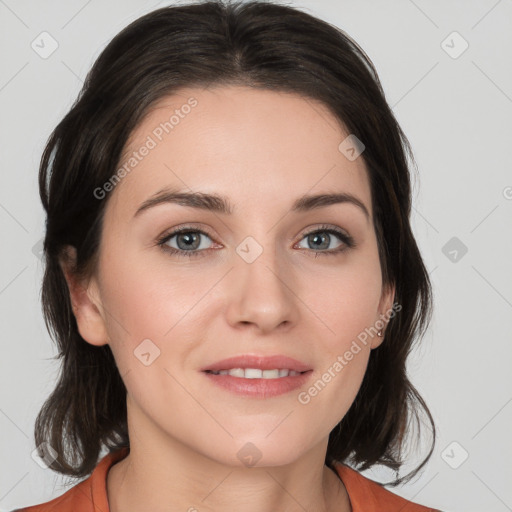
(258, 362)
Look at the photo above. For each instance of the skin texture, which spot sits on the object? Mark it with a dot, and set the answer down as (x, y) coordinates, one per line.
(262, 150)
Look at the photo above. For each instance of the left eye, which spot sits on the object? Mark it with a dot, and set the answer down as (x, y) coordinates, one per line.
(321, 240)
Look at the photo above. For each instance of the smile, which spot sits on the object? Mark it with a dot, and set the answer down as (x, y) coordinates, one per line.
(256, 373)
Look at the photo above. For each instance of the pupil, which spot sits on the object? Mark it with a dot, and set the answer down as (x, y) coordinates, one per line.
(318, 238)
(189, 238)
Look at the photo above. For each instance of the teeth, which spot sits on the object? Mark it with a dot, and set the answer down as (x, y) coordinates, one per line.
(236, 372)
(256, 373)
(253, 373)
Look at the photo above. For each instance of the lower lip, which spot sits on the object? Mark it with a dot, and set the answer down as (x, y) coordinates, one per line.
(260, 388)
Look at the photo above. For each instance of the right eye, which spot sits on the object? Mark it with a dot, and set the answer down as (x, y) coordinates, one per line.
(184, 242)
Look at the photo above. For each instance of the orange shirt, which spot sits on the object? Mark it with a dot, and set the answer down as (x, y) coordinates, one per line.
(90, 495)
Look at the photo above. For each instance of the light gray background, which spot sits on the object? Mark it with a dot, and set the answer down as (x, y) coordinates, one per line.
(457, 114)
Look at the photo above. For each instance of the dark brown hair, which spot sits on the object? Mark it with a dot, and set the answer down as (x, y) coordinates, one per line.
(257, 44)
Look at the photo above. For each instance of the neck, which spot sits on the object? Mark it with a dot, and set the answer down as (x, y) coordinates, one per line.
(160, 476)
(131, 487)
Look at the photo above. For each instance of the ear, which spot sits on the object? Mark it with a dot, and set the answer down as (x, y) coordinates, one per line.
(85, 301)
(386, 311)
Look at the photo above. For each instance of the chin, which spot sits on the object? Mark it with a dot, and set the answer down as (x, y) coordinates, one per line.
(262, 451)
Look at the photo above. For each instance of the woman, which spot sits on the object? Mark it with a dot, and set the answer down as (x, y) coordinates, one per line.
(231, 275)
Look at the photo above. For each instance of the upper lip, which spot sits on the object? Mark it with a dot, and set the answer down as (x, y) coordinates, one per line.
(261, 362)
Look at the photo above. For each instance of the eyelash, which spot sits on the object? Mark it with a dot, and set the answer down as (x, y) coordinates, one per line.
(347, 240)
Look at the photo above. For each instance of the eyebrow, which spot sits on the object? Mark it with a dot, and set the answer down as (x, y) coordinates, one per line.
(220, 204)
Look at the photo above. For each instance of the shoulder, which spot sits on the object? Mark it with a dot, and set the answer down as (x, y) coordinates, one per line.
(369, 496)
(73, 499)
(90, 495)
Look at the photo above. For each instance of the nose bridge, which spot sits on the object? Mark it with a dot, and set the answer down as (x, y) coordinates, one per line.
(261, 286)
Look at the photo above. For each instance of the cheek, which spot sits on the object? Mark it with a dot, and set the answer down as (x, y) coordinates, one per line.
(147, 298)
(346, 306)
(345, 300)
(147, 307)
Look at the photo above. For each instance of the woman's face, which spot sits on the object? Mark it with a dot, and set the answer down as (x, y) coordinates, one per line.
(266, 279)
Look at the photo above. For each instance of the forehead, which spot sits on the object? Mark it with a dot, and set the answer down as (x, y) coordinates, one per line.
(259, 147)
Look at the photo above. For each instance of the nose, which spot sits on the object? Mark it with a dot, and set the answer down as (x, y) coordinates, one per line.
(261, 294)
